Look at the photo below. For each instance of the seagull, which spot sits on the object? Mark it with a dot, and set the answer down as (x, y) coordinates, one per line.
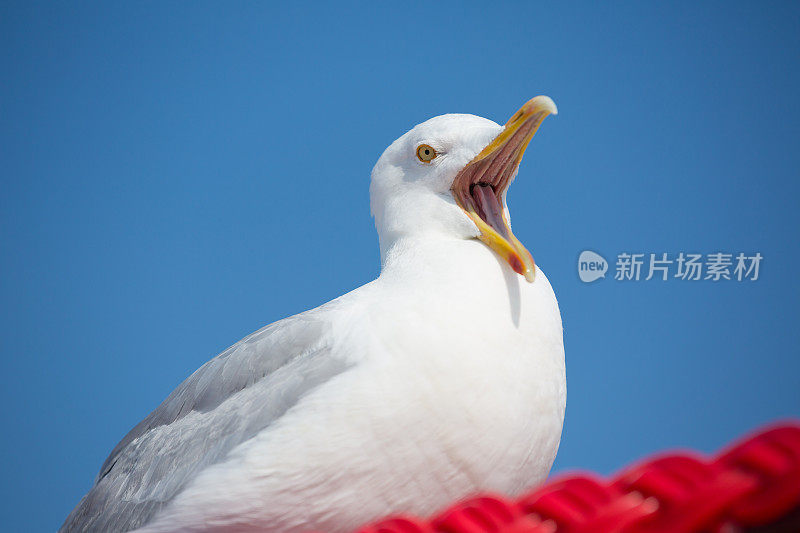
(443, 377)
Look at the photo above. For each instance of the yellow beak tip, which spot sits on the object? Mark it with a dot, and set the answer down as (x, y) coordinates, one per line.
(541, 103)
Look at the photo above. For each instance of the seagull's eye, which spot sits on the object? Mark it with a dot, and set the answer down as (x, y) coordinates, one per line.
(425, 153)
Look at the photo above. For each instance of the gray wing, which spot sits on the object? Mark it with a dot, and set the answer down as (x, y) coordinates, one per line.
(224, 403)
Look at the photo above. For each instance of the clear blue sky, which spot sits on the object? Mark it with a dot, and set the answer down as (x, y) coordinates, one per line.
(176, 175)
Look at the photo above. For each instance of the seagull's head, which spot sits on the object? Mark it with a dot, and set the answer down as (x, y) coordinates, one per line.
(450, 174)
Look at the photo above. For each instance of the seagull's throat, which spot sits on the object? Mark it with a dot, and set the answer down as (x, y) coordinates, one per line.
(479, 188)
(484, 206)
(488, 207)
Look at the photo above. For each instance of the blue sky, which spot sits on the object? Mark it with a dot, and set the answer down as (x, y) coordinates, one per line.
(175, 176)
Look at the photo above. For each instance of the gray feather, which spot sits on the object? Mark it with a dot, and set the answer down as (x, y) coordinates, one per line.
(224, 403)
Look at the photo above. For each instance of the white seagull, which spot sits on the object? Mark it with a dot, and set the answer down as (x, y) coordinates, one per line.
(443, 377)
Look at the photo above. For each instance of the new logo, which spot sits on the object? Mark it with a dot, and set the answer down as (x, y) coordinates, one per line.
(591, 266)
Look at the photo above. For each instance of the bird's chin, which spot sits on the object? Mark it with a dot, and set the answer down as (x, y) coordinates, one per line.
(479, 188)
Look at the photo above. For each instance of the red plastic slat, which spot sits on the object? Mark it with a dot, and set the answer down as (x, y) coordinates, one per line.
(755, 482)
(773, 458)
(585, 504)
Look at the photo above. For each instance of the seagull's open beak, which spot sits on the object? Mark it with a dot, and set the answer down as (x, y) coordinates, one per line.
(479, 188)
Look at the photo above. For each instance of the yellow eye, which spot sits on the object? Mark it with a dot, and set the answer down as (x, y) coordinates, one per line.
(425, 153)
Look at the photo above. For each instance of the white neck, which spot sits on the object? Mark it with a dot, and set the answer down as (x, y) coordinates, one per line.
(418, 215)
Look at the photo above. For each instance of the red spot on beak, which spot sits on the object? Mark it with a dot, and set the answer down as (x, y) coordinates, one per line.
(516, 264)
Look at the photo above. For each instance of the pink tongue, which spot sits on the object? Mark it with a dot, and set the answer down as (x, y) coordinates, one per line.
(489, 207)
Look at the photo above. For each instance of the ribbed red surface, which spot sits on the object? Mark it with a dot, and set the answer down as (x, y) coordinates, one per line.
(752, 486)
